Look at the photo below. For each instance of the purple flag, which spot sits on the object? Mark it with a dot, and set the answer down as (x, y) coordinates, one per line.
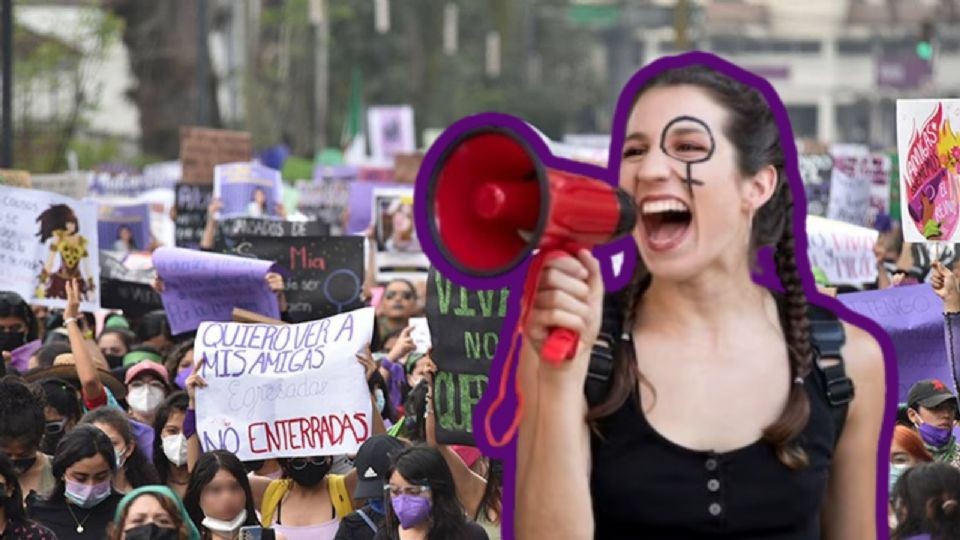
(201, 286)
(913, 317)
(21, 355)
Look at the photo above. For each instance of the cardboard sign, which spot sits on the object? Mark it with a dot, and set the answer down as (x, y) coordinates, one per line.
(45, 240)
(844, 252)
(913, 317)
(465, 331)
(201, 149)
(261, 376)
(124, 228)
(15, 178)
(201, 286)
(929, 149)
(323, 274)
(191, 210)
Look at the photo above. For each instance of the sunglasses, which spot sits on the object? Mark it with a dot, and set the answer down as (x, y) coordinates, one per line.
(54, 427)
(406, 295)
(298, 464)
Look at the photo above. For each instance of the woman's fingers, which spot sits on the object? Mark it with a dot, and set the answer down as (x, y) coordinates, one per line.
(555, 279)
(568, 265)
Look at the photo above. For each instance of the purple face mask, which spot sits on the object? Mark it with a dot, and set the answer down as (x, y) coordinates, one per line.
(934, 436)
(87, 495)
(411, 510)
(181, 379)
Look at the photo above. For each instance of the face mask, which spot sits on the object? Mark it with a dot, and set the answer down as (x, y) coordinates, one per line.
(11, 340)
(114, 360)
(411, 510)
(934, 436)
(23, 465)
(145, 399)
(220, 526)
(86, 495)
(175, 448)
(896, 471)
(381, 401)
(310, 475)
(121, 459)
(48, 445)
(376, 505)
(150, 531)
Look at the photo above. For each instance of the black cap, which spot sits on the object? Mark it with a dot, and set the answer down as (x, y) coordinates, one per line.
(373, 463)
(929, 393)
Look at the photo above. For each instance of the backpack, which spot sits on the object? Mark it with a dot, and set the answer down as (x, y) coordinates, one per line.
(826, 336)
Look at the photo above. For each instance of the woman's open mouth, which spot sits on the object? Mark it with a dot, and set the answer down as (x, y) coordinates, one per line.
(666, 221)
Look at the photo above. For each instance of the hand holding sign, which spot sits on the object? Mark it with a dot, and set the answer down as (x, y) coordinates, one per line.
(403, 346)
(944, 283)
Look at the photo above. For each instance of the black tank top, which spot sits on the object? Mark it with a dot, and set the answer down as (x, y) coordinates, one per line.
(645, 486)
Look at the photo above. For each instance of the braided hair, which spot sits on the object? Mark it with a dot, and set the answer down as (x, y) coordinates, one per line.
(753, 130)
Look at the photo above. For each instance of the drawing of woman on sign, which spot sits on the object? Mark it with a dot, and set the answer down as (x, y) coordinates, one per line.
(60, 224)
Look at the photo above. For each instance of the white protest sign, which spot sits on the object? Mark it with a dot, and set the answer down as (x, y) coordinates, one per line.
(284, 390)
(859, 185)
(46, 240)
(420, 334)
(843, 251)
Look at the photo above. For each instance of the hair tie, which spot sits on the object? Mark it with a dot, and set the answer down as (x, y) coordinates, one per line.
(950, 506)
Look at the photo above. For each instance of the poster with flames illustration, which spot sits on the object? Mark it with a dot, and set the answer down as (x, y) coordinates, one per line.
(929, 157)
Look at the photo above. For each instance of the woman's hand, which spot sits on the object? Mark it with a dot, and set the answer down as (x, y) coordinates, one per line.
(157, 284)
(945, 284)
(72, 311)
(215, 205)
(403, 346)
(193, 382)
(366, 360)
(275, 282)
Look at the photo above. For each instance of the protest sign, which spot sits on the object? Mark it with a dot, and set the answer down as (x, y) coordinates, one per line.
(859, 185)
(420, 334)
(125, 288)
(913, 317)
(359, 204)
(267, 228)
(201, 286)
(323, 274)
(816, 170)
(260, 377)
(201, 149)
(929, 152)
(191, 213)
(398, 248)
(69, 184)
(843, 251)
(465, 331)
(15, 178)
(391, 131)
(325, 200)
(247, 190)
(124, 228)
(113, 180)
(45, 240)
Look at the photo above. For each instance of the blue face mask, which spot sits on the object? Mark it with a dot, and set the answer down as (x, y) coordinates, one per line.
(896, 471)
(381, 401)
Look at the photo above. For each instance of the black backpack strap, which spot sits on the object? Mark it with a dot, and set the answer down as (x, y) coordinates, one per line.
(827, 338)
(600, 371)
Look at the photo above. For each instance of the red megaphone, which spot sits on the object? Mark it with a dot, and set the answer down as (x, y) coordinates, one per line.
(491, 203)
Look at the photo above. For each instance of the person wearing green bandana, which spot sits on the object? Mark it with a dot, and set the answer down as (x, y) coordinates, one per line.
(932, 408)
(152, 513)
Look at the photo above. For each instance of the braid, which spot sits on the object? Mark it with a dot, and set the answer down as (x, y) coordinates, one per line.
(783, 432)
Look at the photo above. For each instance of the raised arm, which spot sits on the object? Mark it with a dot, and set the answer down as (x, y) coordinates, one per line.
(850, 507)
(945, 284)
(553, 488)
(208, 239)
(90, 384)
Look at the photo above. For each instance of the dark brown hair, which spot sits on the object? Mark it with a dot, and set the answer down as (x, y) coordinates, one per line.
(115, 531)
(56, 218)
(755, 134)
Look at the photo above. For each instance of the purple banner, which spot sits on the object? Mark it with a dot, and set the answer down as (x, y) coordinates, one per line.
(247, 190)
(360, 204)
(904, 72)
(913, 317)
(201, 286)
(124, 228)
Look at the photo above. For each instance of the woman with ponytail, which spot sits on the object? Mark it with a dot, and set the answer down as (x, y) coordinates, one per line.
(717, 423)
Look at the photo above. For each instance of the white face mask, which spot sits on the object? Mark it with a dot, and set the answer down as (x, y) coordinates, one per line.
(175, 448)
(218, 525)
(145, 399)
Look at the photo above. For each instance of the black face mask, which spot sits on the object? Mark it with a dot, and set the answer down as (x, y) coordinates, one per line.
(11, 340)
(114, 360)
(310, 475)
(48, 445)
(253, 466)
(150, 531)
(23, 465)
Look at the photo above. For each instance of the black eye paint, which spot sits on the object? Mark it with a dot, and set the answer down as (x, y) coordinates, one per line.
(680, 126)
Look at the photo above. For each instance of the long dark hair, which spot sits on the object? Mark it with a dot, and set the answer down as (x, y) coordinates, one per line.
(21, 412)
(206, 468)
(928, 498)
(56, 218)
(175, 356)
(175, 402)
(377, 381)
(425, 466)
(492, 500)
(153, 324)
(13, 305)
(138, 471)
(83, 442)
(12, 505)
(753, 130)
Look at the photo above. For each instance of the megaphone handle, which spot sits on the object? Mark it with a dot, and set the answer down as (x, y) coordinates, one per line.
(561, 343)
